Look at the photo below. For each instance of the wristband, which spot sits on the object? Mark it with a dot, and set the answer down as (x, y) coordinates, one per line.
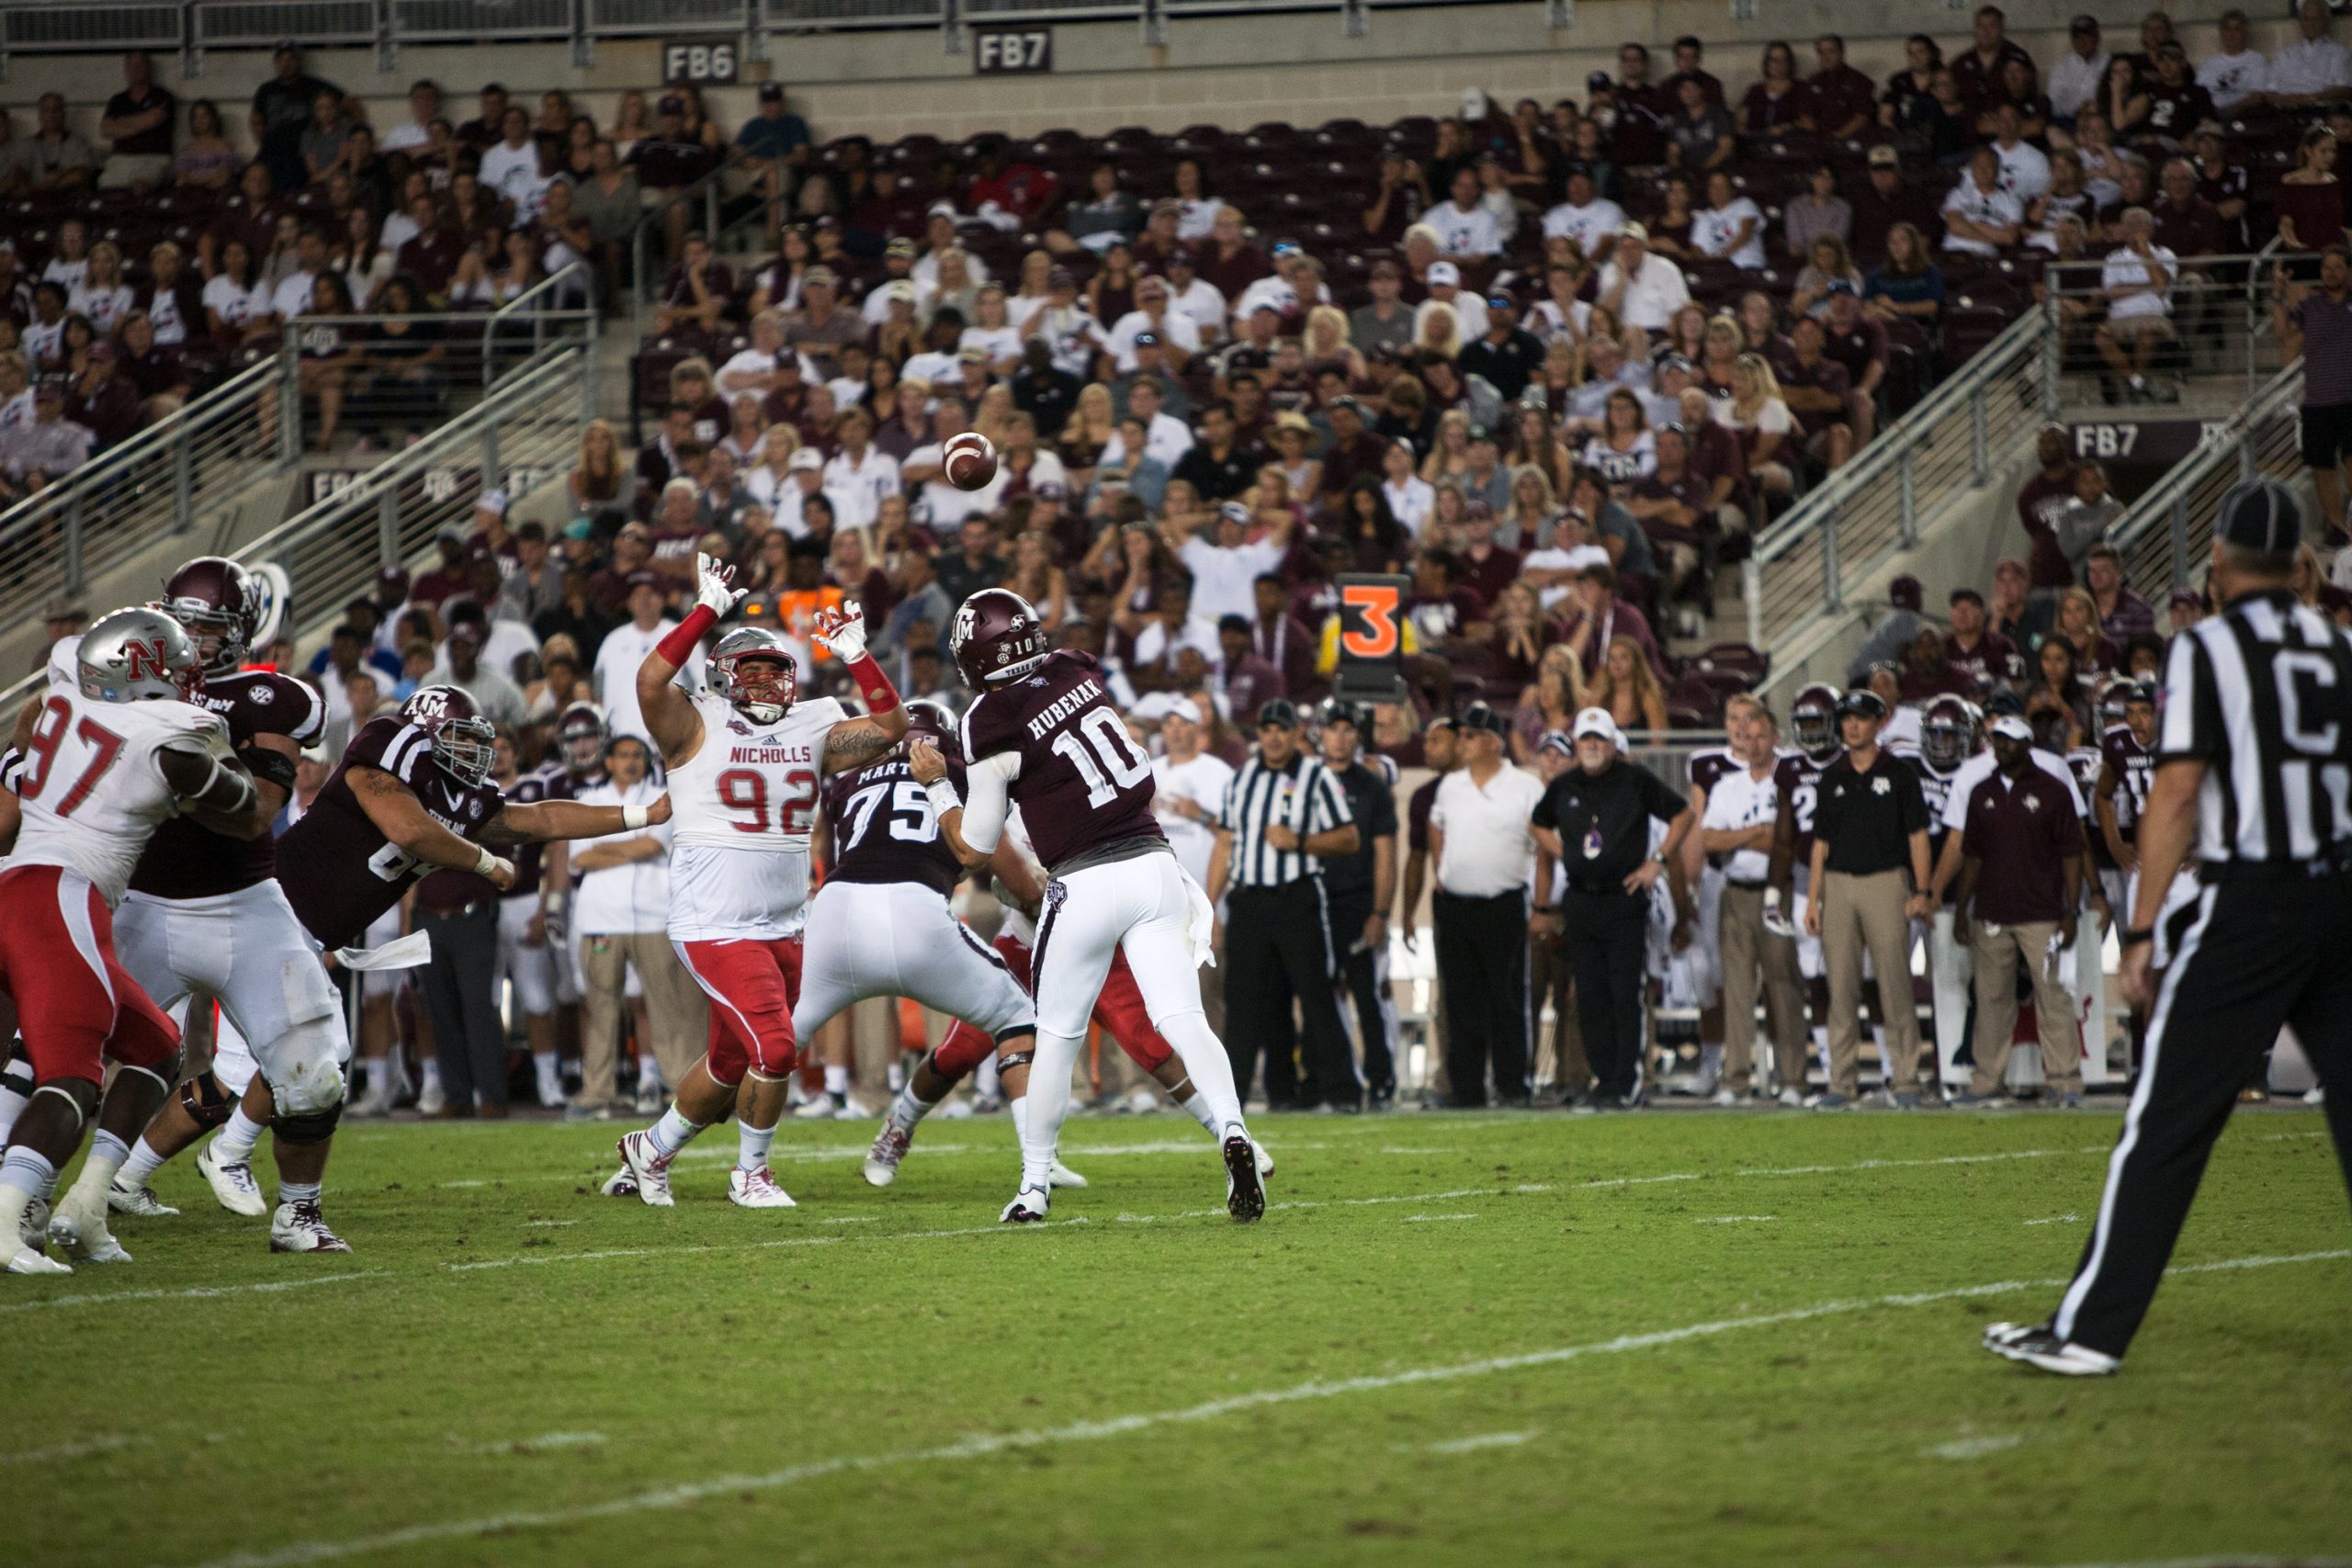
(554, 901)
(2132, 936)
(633, 817)
(686, 636)
(874, 686)
(484, 862)
(944, 798)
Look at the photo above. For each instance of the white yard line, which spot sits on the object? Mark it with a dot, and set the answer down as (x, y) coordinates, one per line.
(1736, 1220)
(1483, 1441)
(1972, 1448)
(982, 1445)
(1423, 1218)
(197, 1293)
(2058, 1220)
(99, 1445)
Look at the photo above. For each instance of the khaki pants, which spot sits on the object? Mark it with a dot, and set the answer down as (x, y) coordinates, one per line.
(677, 1014)
(1859, 912)
(1748, 948)
(1998, 949)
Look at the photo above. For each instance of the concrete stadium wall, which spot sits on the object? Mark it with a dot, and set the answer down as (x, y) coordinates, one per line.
(1233, 71)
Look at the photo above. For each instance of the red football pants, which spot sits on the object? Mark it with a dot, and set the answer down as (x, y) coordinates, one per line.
(75, 1003)
(753, 986)
(1119, 1011)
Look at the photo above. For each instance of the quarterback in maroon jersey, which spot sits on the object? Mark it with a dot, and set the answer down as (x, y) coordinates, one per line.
(1042, 734)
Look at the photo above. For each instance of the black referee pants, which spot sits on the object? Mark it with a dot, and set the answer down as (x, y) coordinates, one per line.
(1606, 938)
(2248, 955)
(1482, 964)
(1364, 975)
(1277, 951)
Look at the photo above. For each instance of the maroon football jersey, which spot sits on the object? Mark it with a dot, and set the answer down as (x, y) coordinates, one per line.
(2134, 767)
(339, 872)
(884, 830)
(1709, 766)
(186, 860)
(1798, 778)
(1084, 783)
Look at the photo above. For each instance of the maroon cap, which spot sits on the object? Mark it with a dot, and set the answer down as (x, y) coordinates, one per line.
(642, 578)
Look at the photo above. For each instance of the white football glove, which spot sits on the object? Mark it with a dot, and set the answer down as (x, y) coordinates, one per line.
(1776, 919)
(843, 632)
(717, 593)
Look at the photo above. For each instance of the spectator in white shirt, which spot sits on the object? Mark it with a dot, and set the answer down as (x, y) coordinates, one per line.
(2075, 78)
(1444, 281)
(292, 295)
(754, 369)
(1225, 569)
(1179, 339)
(512, 168)
(1643, 288)
(1464, 226)
(423, 109)
(1731, 227)
(1587, 218)
(2137, 282)
(1980, 218)
(2239, 77)
(861, 474)
(2314, 69)
(2025, 172)
(1193, 297)
(1411, 498)
(1165, 438)
(624, 649)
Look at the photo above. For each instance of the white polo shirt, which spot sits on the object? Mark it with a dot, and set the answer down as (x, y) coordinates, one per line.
(1740, 799)
(1651, 294)
(2124, 269)
(1489, 848)
(2310, 65)
(618, 657)
(1202, 782)
(857, 488)
(1173, 326)
(1166, 438)
(1992, 207)
(622, 900)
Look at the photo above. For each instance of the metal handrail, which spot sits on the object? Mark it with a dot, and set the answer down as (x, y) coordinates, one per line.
(2162, 535)
(1853, 520)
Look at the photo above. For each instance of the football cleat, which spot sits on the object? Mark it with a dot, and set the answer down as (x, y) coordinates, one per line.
(1063, 1176)
(232, 1183)
(649, 1166)
(1027, 1207)
(32, 1225)
(2037, 1345)
(955, 1110)
(299, 1227)
(622, 1183)
(1265, 1160)
(757, 1190)
(820, 1107)
(137, 1202)
(1244, 1192)
(79, 1227)
(853, 1109)
(890, 1145)
(33, 1260)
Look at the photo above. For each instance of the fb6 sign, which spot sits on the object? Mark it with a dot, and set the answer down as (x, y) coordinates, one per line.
(1012, 51)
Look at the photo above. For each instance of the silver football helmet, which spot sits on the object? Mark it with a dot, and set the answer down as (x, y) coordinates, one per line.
(139, 655)
(753, 668)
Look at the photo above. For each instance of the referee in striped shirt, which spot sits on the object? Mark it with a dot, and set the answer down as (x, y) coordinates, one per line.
(2253, 781)
(1284, 814)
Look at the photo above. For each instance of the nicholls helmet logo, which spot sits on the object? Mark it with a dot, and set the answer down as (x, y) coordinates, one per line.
(145, 660)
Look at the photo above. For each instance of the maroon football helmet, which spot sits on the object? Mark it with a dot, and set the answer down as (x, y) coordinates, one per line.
(931, 722)
(464, 742)
(213, 598)
(1948, 732)
(1813, 720)
(999, 636)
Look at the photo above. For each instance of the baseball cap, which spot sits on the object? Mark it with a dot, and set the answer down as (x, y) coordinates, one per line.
(823, 274)
(1593, 721)
(492, 501)
(1502, 301)
(49, 386)
(1596, 80)
(1479, 715)
(1233, 512)
(1182, 256)
(1862, 703)
(1970, 594)
(2013, 726)
(642, 578)
(468, 631)
(2189, 596)
(900, 291)
(1444, 275)
(972, 356)
(1146, 339)
(580, 529)
(771, 92)
(1841, 286)
(1061, 277)
(1883, 156)
(902, 247)
(1387, 269)
(1281, 711)
(1904, 592)
(1186, 709)
(940, 209)
(1558, 741)
(2084, 22)
(1634, 232)
(1675, 362)
(804, 457)
(672, 104)
(1285, 248)
(2261, 515)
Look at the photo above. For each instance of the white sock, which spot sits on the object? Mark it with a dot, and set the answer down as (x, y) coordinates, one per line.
(143, 1163)
(1711, 1063)
(432, 1072)
(987, 1083)
(751, 1145)
(16, 1090)
(1196, 1105)
(1211, 1069)
(906, 1109)
(836, 1082)
(106, 1155)
(234, 1146)
(25, 1178)
(545, 1064)
(673, 1132)
(298, 1191)
(1038, 1116)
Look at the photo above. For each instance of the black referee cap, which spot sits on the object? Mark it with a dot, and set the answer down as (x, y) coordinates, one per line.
(2262, 516)
(1281, 711)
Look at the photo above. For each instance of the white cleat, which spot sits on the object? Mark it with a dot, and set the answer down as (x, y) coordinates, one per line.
(757, 1190)
(957, 1110)
(1027, 1207)
(853, 1109)
(79, 1227)
(1063, 1176)
(33, 1260)
(2036, 1345)
(622, 1183)
(1265, 1160)
(649, 1167)
(233, 1182)
(890, 1145)
(139, 1202)
(819, 1108)
(299, 1227)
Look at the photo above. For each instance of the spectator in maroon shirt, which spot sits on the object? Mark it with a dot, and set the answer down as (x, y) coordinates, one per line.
(1487, 566)
(432, 254)
(1977, 71)
(486, 128)
(1817, 392)
(1838, 101)
(1689, 56)
(2122, 614)
(1354, 452)
(2189, 226)
(1975, 648)
(1776, 100)
(1887, 199)
(2048, 491)
(1229, 261)
(1926, 672)
(1598, 617)
(100, 400)
(153, 370)
(1859, 344)
(1247, 680)
(1450, 617)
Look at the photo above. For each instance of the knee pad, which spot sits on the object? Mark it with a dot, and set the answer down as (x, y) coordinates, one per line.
(204, 1100)
(313, 1088)
(1006, 1061)
(309, 1127)
(304, 1066)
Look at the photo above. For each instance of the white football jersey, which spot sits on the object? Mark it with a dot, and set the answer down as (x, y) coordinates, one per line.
(92, 784)
(741, 812)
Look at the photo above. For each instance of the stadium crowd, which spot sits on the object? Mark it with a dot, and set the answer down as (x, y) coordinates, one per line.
(1554, 365)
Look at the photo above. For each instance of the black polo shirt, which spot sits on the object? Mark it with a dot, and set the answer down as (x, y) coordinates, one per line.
(1603, 820)
(1867, 817)
(1375, 809)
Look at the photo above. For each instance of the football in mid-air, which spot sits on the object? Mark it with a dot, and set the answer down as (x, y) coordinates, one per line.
(969, 459)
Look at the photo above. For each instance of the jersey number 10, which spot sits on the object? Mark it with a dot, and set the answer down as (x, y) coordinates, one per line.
(1108, 739)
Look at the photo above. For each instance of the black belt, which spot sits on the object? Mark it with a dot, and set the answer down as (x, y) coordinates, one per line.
(1756, 887)
(1617, 890)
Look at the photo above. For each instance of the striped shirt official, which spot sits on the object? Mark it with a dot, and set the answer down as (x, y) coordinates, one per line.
(1304, 795)
(2262, 693)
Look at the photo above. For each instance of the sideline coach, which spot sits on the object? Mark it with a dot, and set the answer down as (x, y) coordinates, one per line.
(1872, 825)
(1595, 820)
(2254, 770)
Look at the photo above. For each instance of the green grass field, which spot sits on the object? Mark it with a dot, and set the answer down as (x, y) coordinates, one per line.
(1665, 1340)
